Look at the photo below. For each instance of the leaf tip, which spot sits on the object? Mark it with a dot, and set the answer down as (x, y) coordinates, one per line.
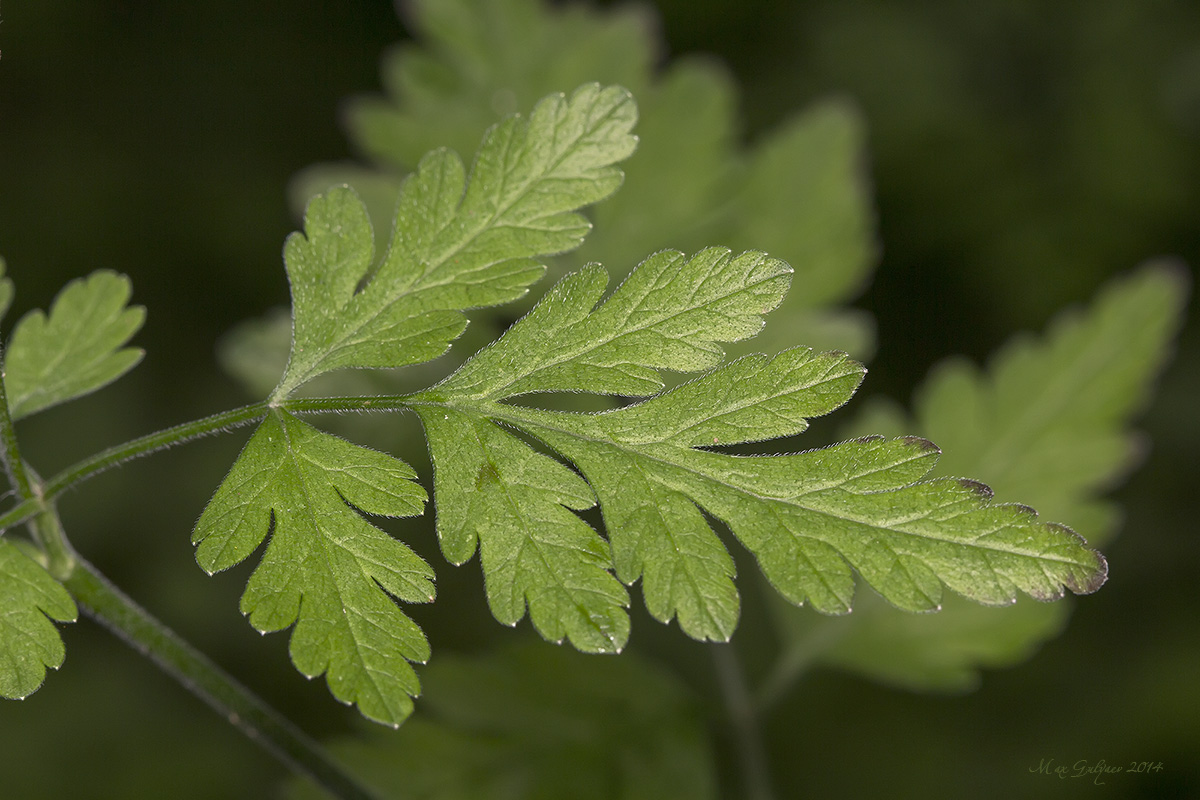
(918, 442)
(983, 490)
(1091, 581)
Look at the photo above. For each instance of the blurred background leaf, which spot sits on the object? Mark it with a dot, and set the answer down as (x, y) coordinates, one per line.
(537, 722)
(1021, 154)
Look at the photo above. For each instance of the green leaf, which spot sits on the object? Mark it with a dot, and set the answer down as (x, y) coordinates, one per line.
(458, 242)
(1047, 422)
(809, 518)
(800, 191)
(326, 569)
(671, 313)
(539, 723)
(77, 349)
(495, 490)
(28, 641)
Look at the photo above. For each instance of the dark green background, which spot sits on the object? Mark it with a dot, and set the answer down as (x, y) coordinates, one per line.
(1022, 153)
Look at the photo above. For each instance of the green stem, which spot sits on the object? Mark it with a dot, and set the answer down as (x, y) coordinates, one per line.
(246, 711)
(130, 622)
(43, 521)
(756, 777)
(61, 560)
(31, 506)
(176, 434)
(9, 450)
(79, 472)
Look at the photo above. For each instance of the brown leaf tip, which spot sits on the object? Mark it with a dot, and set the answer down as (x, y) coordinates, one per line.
(1093, 580)
(921, 443)
(981, 489)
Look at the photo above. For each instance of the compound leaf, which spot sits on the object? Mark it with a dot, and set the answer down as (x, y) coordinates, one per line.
(77, 348)
(459, 242)
(326, 569)
(29, 599)
(809, 518)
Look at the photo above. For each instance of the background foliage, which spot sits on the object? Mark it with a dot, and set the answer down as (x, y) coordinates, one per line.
(1021, 154)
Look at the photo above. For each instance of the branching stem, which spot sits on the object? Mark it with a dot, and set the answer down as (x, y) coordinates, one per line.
(43, 522)
(30, 506)
(101, 600)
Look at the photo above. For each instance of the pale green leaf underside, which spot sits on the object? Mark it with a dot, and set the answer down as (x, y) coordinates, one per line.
(1048, 422)
(459, 242)
(494, 490)
(811, 519)
(29, 642)
(326, 569)
(76, 349)
(671, 313)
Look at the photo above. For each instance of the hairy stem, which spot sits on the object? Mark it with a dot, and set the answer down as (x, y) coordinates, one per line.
(243, 709)
(30, 506)
(756, 777)
(44, 524)
(175, 435)
(8, 445)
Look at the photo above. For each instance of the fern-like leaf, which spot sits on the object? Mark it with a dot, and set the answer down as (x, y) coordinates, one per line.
(810, 518)
(459, 242)
(1047, 422)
